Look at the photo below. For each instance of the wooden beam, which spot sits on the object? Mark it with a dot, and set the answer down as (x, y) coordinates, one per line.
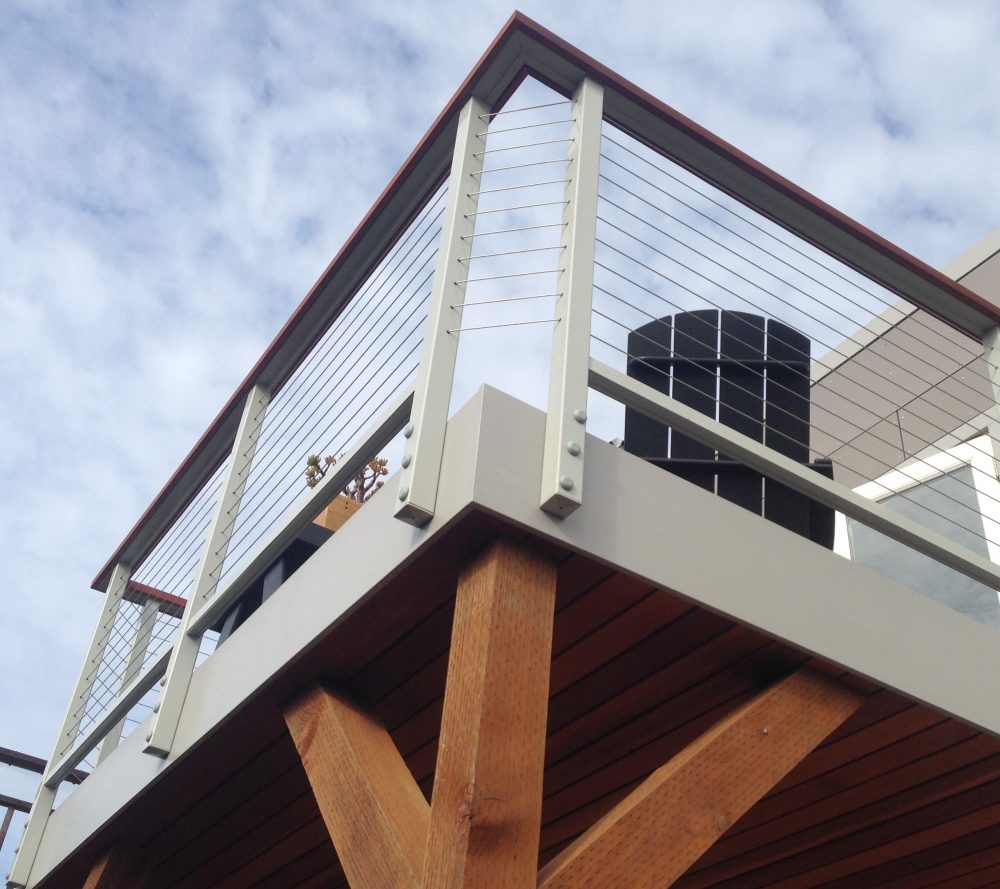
(372, 807)
(657, 832)
(487, 800)
(118, 868)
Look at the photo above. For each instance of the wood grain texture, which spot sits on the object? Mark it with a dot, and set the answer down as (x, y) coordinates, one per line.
(372, 807)
(487, 799)
(118, 868)
(659, 830)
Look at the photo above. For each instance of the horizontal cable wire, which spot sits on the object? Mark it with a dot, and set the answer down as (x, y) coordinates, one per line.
(527, 126)
(339, 382)
(505, 299)
(482, 191)
(511, 252)
(902, 494)
(855, 324)
(666, 301)
(490, 115)
(522, 228)
(236, 551)
(511, 275)
(486, 151)
(745, 299)
(487, 171)
(504, 324)
(750, 222)
(770, 407)
(518, 207)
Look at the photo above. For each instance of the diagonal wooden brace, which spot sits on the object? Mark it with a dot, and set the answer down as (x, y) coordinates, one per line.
(120, 867)
(372, 807)
(659, 830)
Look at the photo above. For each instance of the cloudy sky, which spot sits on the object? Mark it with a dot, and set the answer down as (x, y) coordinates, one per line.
(174, 177)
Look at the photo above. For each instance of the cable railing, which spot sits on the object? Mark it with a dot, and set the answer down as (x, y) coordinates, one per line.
(333, 396)
(136, 632)
(512, 260)
(667, 244)
(334, 401)
(897, 384)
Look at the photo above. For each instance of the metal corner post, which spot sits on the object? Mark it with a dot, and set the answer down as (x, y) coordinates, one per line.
(991, 354)
(136, 657)
(45, 798)
(186, 645)
(421, 464)
(565, 426)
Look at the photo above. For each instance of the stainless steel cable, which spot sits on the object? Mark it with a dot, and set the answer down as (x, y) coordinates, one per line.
(339, 381)
(729, 210)
(904, 494)
(855, 324)
(745, 299)
(491, 115)
(668, 302)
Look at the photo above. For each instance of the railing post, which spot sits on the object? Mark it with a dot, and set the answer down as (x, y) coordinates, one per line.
(185, 651)
(140, 645)
(45, 798)
(991, 354)
(565, 426)
(421, 464)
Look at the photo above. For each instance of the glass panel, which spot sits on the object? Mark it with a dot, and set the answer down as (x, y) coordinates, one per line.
(948, 505)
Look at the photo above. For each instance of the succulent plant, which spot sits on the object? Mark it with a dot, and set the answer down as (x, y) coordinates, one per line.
(362, 487)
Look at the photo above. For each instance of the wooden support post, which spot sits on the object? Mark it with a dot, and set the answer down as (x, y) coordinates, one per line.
(487, 799)
(118, 868)
(657, 832)
(372, 807)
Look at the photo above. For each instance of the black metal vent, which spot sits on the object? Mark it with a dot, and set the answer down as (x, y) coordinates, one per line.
(748, 372)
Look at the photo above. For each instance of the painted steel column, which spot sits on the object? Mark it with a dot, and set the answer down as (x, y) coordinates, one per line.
(421, 464)
(44, 799)
(565, 425)
(140, 645)
(185, 650)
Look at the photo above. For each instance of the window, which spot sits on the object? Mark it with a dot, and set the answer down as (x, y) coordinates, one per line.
(954, 492)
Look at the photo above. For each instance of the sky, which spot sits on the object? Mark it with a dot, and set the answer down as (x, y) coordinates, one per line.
(175, 176)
